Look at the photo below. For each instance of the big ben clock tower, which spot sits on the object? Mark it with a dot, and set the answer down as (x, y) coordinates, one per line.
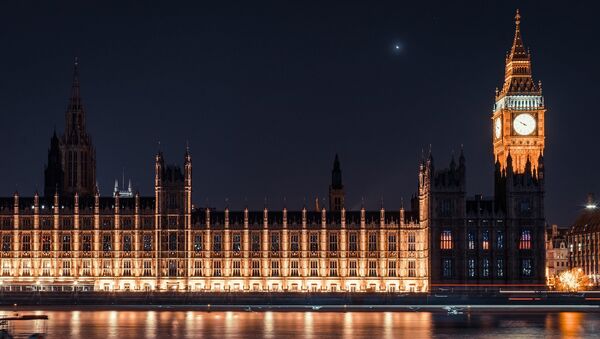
(518, 118)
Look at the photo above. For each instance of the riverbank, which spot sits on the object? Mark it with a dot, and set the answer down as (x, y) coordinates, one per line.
(450, 308)
(334, 302)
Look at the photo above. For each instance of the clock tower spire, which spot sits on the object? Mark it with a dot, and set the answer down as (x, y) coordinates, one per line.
(518, 116)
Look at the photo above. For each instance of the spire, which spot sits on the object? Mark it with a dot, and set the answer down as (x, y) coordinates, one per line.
(461, 159)
(518, 77)
(188, 156)
(336, 174)
(75, 112)
(518, 50)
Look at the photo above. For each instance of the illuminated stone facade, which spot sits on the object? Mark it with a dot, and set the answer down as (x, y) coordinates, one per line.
(163, 242)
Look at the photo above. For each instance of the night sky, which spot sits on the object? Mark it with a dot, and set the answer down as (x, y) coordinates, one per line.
(267, 93)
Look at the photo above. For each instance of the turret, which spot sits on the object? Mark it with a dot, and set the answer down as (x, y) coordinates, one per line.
(53, 173)
(336, 189)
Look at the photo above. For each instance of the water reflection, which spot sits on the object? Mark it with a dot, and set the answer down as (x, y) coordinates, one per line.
(123, 324)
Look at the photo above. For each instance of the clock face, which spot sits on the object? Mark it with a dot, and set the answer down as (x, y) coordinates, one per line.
(498, 128)
(524, 124)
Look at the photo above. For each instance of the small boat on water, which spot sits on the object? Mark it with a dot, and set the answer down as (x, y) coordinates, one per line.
(453, 310)
(13, 326)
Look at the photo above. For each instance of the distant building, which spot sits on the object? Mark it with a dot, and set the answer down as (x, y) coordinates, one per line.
(584, 241)
(557, 253)
(123, 192)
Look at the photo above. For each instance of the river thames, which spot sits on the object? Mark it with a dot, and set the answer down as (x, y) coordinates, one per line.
(124, 324)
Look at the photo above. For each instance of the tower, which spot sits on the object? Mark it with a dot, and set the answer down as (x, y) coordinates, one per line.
(518, 117)
(519, 138)
(76, 172)
(53, 173)
(336, 189)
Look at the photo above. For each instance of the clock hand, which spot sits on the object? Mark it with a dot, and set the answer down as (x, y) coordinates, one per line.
(522, 123)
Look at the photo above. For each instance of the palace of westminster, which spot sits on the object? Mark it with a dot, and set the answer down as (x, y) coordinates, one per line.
(72, 238)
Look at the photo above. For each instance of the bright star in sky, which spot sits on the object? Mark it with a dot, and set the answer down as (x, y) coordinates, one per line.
(397, 47)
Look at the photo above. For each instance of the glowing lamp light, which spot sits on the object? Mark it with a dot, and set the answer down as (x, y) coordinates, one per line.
(591, 206)
(573, 280)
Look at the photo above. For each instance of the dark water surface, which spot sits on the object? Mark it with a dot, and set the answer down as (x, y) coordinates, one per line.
(125, 324)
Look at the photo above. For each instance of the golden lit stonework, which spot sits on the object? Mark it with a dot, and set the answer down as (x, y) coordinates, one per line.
(518, 118)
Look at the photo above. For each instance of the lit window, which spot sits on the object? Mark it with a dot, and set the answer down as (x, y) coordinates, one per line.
(499, 239)
(197, 242)
(6, 241)
(392, 243)
(274, 242)
(412, 241)
(237, 268)
(26, 264)
(372, 241)
(372, 268)
(294, 268)
(66, 243)
(527, 267)
(147, 268)
(197, 268)
(471, 239)
(46, 243)
(86, 270)
(217, 245)
(500, 268)
(485, 240)
(216, 268)
(274, 268)
(333, 272)
(485, 270)
(391, 268)
(525, 241)
(314, 268)
(26, 243)
(127, 268)
(172, 267)
(314, 242)
(107, 243)
(352, 242)
(256, 268)
(352, 268)
(236, 242)
(127, 243)
(147, 242)
(333, 242)
(295, 246)
(472, 268)
(446, 240)
(255, 241)
(412, 268)
(66, 268)
(87, 243)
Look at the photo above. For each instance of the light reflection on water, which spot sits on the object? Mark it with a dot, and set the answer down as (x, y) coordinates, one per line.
(123, 324)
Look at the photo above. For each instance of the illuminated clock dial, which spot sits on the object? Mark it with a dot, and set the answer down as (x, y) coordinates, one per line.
(498, 128)
(524, 124)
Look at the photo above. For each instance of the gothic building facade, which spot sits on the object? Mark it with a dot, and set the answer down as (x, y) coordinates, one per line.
(494, 242)
(71, 237)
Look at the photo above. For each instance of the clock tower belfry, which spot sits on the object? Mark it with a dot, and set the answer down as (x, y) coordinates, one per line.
(518, 117)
